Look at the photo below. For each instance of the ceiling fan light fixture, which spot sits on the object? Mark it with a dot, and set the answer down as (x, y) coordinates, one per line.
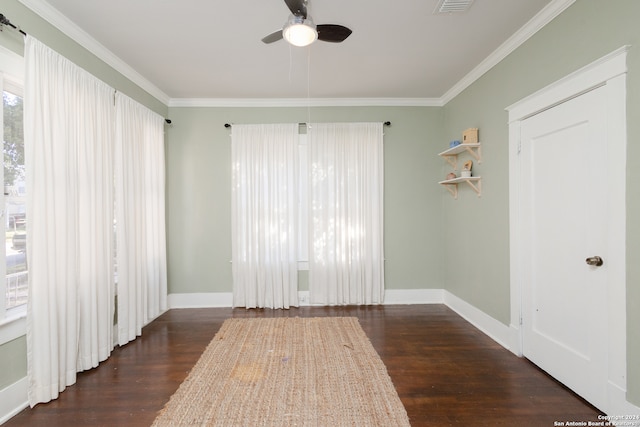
(299, 31)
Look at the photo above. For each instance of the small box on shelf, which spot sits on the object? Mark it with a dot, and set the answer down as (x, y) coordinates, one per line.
(470, 136)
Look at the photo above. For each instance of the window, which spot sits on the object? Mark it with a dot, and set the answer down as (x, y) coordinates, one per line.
(13, 197)
(14, 201)
(337, 170)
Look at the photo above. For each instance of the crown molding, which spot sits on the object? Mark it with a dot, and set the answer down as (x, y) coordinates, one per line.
(70, 29)
(546, 15)
(61, 22)
(304, 102)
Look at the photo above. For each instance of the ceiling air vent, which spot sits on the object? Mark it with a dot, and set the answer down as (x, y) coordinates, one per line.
(452, 6)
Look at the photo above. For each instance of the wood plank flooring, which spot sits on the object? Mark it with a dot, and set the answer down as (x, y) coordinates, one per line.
(447, 373)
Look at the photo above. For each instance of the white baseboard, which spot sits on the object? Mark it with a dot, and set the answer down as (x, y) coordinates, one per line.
(13, 399)
(413, 296)
(200, 300)
(501, 333)
(498, 331)
(225, 299)
(617, 404)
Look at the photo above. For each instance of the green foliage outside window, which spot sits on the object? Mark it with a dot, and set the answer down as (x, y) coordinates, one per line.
(13, 139)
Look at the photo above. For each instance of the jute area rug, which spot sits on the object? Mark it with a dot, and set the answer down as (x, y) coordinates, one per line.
(287, 372)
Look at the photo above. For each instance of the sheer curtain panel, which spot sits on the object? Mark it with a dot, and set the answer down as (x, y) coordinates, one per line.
(346, 264)
(140, 220)
(68, 120)
(264, 215)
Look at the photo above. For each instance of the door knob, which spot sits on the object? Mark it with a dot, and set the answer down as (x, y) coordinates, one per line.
(595, 261)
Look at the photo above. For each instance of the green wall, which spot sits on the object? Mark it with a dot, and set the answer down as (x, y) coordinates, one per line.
(13, 359)
(199, 191)
(479, 273)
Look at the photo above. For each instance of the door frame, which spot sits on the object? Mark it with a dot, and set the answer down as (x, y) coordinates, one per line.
(608, 72)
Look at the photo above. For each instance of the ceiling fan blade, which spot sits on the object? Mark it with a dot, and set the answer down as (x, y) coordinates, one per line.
(297, 7)
(332, 33)
(273, 37)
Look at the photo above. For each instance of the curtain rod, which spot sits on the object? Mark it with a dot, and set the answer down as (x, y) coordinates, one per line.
(228, 125)
(5, 21)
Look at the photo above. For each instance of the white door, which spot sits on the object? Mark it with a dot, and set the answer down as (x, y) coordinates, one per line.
(565, 213)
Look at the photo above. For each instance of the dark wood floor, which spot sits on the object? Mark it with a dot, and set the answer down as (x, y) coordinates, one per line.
(445, 370)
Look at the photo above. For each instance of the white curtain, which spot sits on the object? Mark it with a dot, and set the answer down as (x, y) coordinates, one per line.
(264, 215)
(83, 156)
(346, 264)
(140, 217)
(68, 118)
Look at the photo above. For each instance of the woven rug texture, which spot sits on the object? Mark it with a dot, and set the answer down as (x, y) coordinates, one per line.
(287, 372)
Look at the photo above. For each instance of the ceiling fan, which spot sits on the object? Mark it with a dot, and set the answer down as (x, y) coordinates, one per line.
(299, 30)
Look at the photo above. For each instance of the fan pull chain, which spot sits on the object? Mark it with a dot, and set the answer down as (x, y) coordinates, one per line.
(290, 64)
(308, 88)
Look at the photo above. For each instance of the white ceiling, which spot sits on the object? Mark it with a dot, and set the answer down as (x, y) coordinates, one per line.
(212, 49)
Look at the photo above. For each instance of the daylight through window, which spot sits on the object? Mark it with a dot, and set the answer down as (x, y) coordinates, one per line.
(15, 219)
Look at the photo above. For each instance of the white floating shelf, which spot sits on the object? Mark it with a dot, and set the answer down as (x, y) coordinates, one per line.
(451, 155)
(475, 182)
